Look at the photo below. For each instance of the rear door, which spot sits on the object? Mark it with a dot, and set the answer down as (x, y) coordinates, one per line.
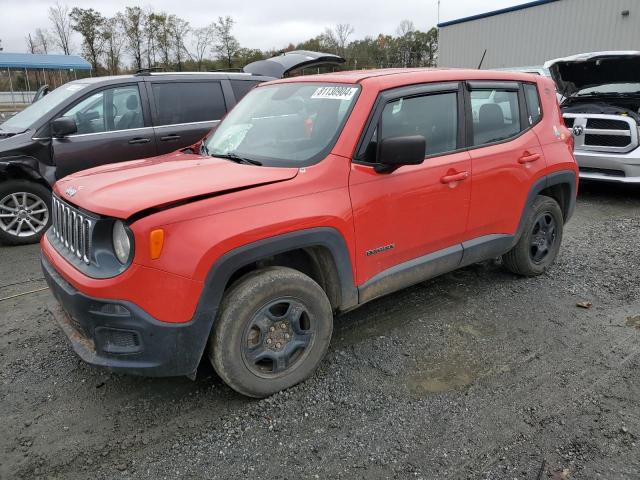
(185, 111)
(505, 153)
(113, 126)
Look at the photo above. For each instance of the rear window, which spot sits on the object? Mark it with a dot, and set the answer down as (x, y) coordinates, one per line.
(188, 102)
(533, 103)
(496, 115)
(242, 87)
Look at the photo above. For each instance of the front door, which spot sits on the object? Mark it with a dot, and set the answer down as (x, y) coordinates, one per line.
(419, 209)
(112, 127)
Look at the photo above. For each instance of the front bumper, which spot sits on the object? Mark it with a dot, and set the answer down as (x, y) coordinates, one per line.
(609, 167)
(121, 336)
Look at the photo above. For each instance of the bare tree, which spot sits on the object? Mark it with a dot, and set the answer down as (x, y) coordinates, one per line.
(179, 30)
(42, 38)
(59, 17)
(406, 26)
(201, 42)
(153, 23)
(226, 47)
(32, 45)
(133, 24)
(164, 41)
(115, 40)
(337, 38)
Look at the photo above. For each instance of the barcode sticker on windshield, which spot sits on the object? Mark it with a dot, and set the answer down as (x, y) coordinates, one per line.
(337, 93)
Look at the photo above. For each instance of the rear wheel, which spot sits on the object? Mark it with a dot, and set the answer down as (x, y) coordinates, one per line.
(540, 242)
(272, 331)
(24, 211)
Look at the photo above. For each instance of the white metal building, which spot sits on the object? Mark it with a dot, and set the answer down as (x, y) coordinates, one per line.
(531, 33)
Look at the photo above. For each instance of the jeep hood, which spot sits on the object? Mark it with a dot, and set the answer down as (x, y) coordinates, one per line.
(128, 188)
(281, 65)
(585, 70)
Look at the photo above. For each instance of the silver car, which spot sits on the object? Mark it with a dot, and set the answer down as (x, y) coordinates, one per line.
(601, 104)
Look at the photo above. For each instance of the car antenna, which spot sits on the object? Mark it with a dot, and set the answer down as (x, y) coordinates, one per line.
(482, 59)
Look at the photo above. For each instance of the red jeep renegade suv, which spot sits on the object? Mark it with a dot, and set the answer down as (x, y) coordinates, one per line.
(315, 195)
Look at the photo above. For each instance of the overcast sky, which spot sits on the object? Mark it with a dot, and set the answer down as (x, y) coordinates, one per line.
(259, 24)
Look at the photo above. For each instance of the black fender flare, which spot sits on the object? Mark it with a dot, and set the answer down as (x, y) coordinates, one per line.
(330, 238)
(21, 166)
(563, 177)
(229, 263)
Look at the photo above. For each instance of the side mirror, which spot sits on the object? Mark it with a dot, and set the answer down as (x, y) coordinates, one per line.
(397, 151)
(63, 126)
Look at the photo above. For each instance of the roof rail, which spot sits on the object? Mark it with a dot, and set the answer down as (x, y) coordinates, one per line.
(147, 71)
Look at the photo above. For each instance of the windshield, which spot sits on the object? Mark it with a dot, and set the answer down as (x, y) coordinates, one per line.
(611, 88)
(27, 117)
(289, 124)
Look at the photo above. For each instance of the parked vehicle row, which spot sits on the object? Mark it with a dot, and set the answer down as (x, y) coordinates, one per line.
(94, 121)
(316, 194)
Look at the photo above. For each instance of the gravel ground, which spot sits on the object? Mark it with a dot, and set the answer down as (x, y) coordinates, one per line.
(476, 374)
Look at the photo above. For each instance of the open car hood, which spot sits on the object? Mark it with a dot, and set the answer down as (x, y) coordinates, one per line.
(281, 65)
(585, 70)
(127, 188)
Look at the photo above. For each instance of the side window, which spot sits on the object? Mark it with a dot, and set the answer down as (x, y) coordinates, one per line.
(242, 87)
(496, 115)
(108, 110)
(188, 102)
(433, 116)
(533, 103)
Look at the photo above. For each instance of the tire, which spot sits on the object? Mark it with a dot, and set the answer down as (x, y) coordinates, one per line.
(540, 241)
(25, 211)
(272, 331)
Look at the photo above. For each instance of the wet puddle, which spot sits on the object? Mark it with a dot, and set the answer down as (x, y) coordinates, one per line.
(483, 331)
(430, 377)
(633, 321)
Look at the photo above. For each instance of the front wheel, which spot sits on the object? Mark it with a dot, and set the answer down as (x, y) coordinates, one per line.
(24, 211)
(540, 241)
(273, 329)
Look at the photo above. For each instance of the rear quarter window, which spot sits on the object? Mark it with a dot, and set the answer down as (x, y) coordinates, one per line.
(242, 87)
(533, 103)
(188, 102)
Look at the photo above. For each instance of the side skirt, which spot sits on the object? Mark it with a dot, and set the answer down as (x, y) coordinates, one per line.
(434, 264)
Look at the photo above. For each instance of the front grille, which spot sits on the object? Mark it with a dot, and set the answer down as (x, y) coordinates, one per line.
(602, 132)
(606, 140)
(72, 228)
(607, 124)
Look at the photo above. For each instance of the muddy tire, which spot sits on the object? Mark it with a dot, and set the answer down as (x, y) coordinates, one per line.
(540, 241)
(272, 331)
(25, 211)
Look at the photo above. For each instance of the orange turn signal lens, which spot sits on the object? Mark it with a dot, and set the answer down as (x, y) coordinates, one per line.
(156, 242)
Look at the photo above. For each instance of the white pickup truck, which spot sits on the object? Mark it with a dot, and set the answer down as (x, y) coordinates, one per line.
(601, 104)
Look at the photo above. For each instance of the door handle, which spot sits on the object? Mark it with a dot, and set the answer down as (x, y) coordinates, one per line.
(455, 177)
(529, 157)
(134, 141)
(168, 138)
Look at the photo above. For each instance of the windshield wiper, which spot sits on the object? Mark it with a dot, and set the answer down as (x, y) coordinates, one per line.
(234, 157)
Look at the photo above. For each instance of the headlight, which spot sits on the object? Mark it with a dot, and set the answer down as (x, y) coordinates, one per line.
(121, 242)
